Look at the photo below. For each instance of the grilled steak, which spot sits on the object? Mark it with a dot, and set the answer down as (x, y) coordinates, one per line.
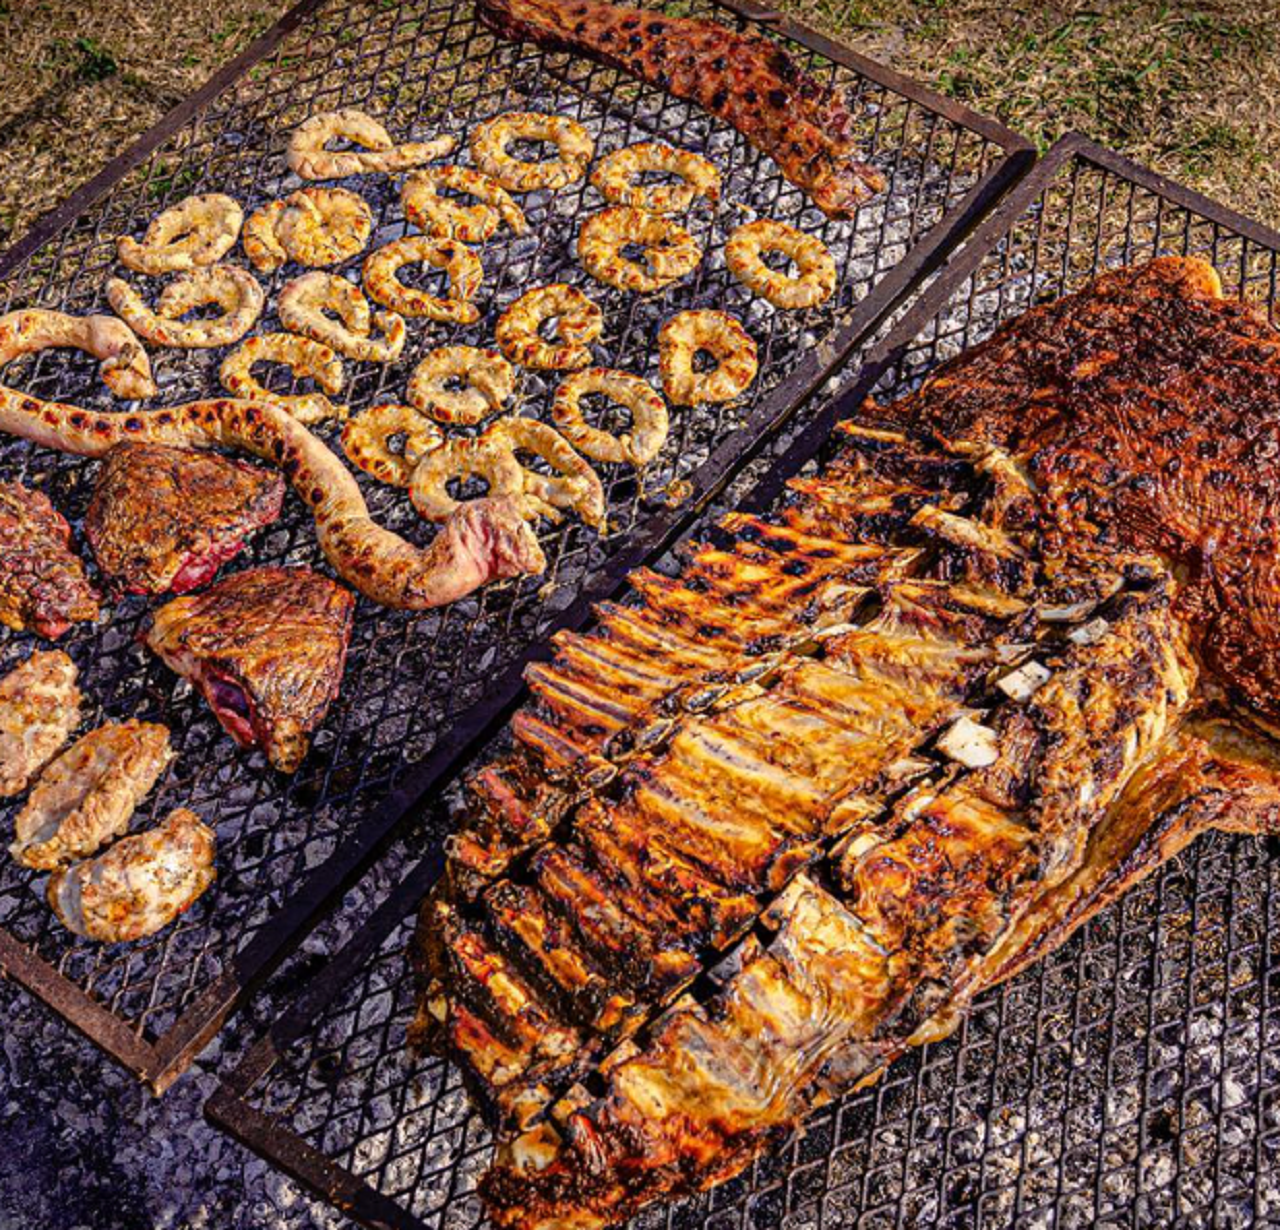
(86, 797)
(39, 708)
(166, 519)
(266, 648)
(43, 588)
(1148, 412)
(783, 816)
(138, 886)
(748, 81)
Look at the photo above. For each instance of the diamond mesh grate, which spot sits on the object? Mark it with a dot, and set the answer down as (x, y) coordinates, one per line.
(1132, 1078)
(428, 67)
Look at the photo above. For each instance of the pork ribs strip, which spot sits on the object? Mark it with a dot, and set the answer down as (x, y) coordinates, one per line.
(747, 80)
(648, 814)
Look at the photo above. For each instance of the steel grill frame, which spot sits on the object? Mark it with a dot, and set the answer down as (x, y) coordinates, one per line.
(154, 1005)
(1130, 1079)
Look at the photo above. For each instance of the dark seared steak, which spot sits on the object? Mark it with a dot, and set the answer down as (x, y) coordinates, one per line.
(748, 81)
(1148, 414)
(43, 587)
(782, 816)
(266, 648)
(166, 519)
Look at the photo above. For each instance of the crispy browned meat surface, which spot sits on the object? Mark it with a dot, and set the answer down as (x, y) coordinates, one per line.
(165, 518)
(86, 798)
(266, 647)
(139, 885)
(748, 81)
(43, 588)
(39, 708)
(783, 816)
(1148, 414)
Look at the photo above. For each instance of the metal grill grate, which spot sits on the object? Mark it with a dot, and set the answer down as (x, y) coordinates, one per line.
(419, 687)
(1130, 1079)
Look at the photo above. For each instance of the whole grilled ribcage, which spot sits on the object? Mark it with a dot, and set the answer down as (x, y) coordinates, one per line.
(770, 711)
(780, 817)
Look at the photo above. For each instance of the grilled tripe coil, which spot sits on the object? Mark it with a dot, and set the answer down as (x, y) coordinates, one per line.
(649, 420)
(488, 381)
(461, 266)
(668, 251)
(579, 321)
(304, 358)
(720, 335)
(313, 226)
(309, 159)
(446, 217)
(329, 309)
(195, 232)
(236, 291)
(489, 144)
(812, 285)
(615, 178)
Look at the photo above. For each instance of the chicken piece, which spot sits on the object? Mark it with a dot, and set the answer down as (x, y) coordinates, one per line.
(39, 708)
(266, 648)
(43, 588)
(86, 797)
(166, 519)
(138, 886)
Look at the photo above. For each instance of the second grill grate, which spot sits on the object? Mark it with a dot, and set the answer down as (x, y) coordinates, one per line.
(419, 688)
(1128, 1079)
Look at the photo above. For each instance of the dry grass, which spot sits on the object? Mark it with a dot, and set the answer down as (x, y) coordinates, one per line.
(1193, 89)
(83, 78)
